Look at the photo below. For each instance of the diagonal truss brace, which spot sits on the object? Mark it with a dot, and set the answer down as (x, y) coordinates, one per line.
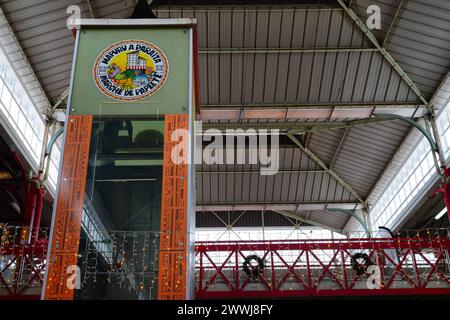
(401, 72)
(383, 51)
(322, 164)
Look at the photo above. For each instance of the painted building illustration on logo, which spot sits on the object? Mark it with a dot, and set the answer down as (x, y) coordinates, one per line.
(134, 62)
(131, 70)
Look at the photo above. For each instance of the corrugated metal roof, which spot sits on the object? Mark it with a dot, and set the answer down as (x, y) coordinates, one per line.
(419, 39)
(288, 77)
(12, 48)
(366, 151)
(256, 78)
(299, 180)
(40, 27)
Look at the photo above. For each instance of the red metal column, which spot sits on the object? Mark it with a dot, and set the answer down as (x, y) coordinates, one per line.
(445, 189)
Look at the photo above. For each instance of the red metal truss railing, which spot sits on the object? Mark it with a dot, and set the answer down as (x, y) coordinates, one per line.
(22, 265)
(401, 266)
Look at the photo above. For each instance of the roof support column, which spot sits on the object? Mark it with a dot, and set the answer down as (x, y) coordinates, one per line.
(368, 222)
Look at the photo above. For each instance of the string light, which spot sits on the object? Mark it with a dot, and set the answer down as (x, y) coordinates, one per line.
(134, 256)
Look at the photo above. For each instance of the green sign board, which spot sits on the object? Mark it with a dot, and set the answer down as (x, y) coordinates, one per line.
(131, 70)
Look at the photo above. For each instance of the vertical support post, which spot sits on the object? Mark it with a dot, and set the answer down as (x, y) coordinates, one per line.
(368, 222)
(272, 262)
(38, 214)
(380, 262)
(308, 267)
(435, 159)
(200, 276)
(437, 138)
(236, 257)
(344, 270)
(416, 269)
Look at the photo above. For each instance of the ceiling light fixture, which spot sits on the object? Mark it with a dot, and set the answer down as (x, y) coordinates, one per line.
(440, 214)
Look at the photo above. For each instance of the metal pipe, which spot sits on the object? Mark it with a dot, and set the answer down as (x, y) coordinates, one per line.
(414, 124)
(53, 139)
(387, 230)
(48, 152)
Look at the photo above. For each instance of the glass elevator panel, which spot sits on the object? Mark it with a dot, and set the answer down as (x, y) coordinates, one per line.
(122, 209)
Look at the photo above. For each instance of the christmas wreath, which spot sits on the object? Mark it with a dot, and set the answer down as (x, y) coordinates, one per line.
(253, 272)
(361, 267)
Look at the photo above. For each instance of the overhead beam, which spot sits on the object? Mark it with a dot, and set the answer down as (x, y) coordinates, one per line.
(298, 127)
(281, 50)
(284, 112)
(257, 171)
(170, 6)
(247, 206)
(322, 164)
(387, 104)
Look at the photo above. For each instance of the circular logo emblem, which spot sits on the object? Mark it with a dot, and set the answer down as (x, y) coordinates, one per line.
(131, 70)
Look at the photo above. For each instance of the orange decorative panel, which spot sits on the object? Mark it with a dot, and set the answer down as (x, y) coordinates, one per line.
(172, 275)
(173, 241)
(69, 210)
